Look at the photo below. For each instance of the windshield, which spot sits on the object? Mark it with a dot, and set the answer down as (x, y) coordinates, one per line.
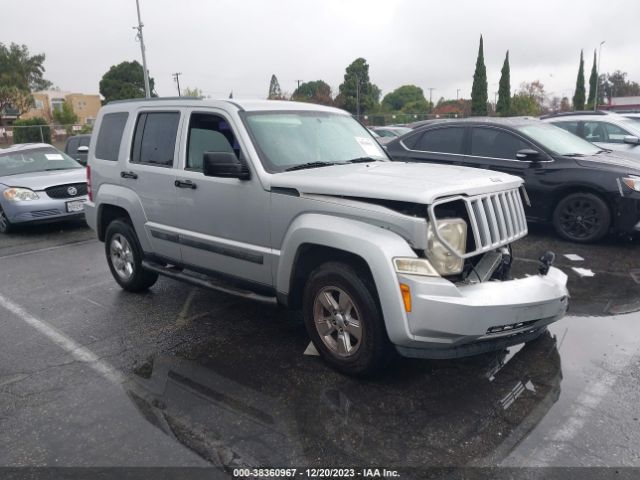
(558, 140)
(35, 160)
(286, 140)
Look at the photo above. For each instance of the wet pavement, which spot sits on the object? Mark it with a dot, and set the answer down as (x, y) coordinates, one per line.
(94, 376)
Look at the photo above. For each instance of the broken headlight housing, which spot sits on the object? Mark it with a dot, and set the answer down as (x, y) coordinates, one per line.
(454, 232)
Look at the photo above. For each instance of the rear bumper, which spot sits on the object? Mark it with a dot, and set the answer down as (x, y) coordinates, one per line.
(44, 209)
(448, 320)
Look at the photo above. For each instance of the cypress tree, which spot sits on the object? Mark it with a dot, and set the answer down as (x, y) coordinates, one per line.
(479, 96)
(578, 97)
(274, 89)
(504, 90)
(593, 80)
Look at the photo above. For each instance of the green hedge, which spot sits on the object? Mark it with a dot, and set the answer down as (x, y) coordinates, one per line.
(33, 130)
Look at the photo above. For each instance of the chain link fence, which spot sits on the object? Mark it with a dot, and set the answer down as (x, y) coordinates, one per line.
(380, 120)
(56, 135)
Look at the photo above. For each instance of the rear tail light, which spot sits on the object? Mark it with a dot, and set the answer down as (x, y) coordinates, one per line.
(89, 192)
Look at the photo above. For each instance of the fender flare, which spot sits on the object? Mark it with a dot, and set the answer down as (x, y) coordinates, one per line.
(375, 245)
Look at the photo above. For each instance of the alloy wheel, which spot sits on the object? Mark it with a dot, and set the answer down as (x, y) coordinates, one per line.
(337, 321)
(121, 256)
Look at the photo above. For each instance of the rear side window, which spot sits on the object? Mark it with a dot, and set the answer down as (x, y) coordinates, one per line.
(441, 140)
(154, 140)
(110, 135)
(72, 145)
(493, 143)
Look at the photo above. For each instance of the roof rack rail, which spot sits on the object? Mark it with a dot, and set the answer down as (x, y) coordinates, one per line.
(153, 99)
(577, 112)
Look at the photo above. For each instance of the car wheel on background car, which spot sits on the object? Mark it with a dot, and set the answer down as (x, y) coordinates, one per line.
(582, 217)
(5, 225)
(124, 256)
(344, 321)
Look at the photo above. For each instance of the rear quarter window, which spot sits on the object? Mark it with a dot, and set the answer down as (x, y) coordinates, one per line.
(110, 135)
(441, 140)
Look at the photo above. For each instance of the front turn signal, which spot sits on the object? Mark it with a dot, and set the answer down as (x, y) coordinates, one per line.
(406, 297)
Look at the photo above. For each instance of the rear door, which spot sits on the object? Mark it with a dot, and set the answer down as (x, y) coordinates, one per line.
(150, 173)
(445, 145)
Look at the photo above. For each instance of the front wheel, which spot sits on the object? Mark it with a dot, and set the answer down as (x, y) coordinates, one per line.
(5, 225)
(582, 217)
(344, 321)
(124, 256)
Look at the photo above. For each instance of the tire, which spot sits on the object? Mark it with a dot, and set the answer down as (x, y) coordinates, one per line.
(5, 225)
(353, 341)
(124, 256)
(582, 217)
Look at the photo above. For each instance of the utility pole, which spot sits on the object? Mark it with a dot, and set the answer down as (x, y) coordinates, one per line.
(431, 98)
(357, 96)
(298, 83)
(147, 91)
(457, 94)
(176, 77)
(595, 101)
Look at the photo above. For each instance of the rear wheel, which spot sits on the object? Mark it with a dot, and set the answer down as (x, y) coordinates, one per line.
(582, 217)
(124, 256)
(5, 225)
(343, 319)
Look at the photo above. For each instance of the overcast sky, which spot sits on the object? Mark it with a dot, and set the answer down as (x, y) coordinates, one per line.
(224, 45)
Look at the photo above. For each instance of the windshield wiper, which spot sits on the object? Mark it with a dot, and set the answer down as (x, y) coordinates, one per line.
(574, 154)
(363, 160)
(303, 166)
(63, 168)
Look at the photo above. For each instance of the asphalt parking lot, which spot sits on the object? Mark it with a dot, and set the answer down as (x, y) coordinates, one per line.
(94, 376)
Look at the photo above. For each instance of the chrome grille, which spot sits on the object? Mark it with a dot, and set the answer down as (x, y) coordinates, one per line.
(496, 219)
(62, 191)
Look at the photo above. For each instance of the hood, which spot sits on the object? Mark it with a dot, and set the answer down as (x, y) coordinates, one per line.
(42, 180)
(407, 182)
(628, 162)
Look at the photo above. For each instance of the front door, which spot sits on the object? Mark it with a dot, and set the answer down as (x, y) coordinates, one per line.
(224, 222)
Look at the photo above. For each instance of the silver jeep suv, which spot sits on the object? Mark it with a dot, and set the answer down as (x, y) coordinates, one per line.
(296, 204)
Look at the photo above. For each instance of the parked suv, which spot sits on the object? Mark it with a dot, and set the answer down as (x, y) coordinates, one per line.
(77, 148)
(295, 204)
(584, 191)
(606, 130)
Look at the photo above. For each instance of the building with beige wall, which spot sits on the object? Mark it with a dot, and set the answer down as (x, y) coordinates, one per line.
(47, 101)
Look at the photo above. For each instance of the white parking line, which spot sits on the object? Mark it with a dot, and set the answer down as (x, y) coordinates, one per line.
(47, 249)
(77, 351)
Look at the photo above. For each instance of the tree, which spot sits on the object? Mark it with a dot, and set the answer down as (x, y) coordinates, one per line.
(479, 95)
(504, 89)
(616, 85)
(407, 98)
(357, 94)
(593, 81)
(20, 73)
(529, 99)
(565, 105)
(125, 81)
(316, 91)
(32, 130)
(579, 95)
(65, 116)
(192, 92)
(460, 107)
(275, 93)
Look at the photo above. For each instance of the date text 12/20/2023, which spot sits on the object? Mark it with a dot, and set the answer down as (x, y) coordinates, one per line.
(315, 473)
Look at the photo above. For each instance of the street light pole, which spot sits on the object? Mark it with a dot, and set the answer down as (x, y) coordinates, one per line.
(595, 100)
(176, 77)
(147, 91)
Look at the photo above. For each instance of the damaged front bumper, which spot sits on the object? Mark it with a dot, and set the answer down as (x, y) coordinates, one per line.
(450, 320)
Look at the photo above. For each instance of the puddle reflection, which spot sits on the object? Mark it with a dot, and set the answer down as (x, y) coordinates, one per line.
(232, 407)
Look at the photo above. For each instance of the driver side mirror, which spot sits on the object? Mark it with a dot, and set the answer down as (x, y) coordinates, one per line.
(631, 139)
(82, 149)
(224, 165)
(528, 154)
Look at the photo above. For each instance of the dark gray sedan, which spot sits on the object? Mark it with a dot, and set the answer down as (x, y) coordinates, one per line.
(39, 183)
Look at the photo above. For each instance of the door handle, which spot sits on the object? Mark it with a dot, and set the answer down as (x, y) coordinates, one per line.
(185, 184)
(132, 175)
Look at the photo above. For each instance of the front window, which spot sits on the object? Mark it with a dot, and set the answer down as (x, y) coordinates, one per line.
(35, 160)
(558, 140)
(286, 140)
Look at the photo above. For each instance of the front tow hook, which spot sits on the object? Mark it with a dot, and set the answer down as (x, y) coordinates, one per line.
(546, 261)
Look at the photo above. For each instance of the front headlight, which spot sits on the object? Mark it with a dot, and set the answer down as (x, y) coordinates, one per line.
(454, 232)
(15, 194)
(632, 182)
